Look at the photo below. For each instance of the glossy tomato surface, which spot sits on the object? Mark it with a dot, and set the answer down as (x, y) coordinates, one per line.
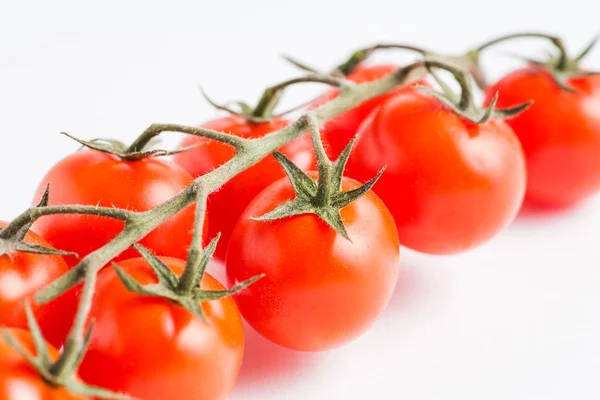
(338, 132)
(320, 290)
(18, 379)
(91, 177)
(560, 134)
(227, 204)
(152, 348)
(450, 184)
(21, 276)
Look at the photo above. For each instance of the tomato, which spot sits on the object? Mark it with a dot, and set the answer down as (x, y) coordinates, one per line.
(152, 348)
(226, 205)
(450, 184)
(19, 380)
(338, 132)
(21, 276)
(91, 177)
(560, 134)
(320, 290)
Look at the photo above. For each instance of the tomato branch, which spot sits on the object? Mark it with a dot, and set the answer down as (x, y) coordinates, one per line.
(139, 224)
(195, 253)
(156, 129)
(33, 213)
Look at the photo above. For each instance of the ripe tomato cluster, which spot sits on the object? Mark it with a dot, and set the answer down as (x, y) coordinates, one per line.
(309, 238)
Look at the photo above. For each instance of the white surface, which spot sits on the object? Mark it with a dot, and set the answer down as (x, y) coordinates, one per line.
(515, 319)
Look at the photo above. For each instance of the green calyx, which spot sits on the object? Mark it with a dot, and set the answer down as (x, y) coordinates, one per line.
(559, 64)
(45, 366)
(360, 56)
(564, 68)
(169, 285)
(121, 150)
(323, 197)
(264, 111)
(15, 241)
(464, 104)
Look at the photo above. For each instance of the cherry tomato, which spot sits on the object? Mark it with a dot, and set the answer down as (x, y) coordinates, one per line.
(226, 205)
(19, 380)
(338, 132)
(21, 276)
(91, 177)
(152, 348)
(320, 290)
(560, 134)
(450, 184)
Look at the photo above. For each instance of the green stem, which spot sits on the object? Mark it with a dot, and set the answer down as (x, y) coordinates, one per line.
(325, 167)
(556, 41)
(270, 98)
(65, 366)
(195, 253)
(32, 214)
(156, 129)
(361, 55)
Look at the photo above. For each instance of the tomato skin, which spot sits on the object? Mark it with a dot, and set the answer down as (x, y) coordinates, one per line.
(227, 204)
(560, 134)
(338, 132)
(19, 380)
(21, 276)
(450, 184)
(152, 348)
(319, 290)
(91, 177)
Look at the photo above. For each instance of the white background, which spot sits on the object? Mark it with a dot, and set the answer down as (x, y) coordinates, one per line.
(516, 319)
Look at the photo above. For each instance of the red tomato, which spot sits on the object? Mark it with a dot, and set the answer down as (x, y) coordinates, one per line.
(152, 348)
(450, 184)
(21, 276)
(91, 177)
(226, 205)
(320, 290)
(338, 131)
(560, 134)
(19, 380)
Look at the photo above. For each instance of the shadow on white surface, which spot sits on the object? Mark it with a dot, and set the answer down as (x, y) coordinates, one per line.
(268, 364)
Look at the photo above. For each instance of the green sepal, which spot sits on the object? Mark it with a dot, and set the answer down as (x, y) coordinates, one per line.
(307, 199)
(207, 254)
(17, 241)
(245, 109)
(169, 282)
(339, 166)
(10, 245)
(45, 199)
(472, 113)
(504, 113)
(587, 49)
(304, 186)
(208, 295)
(342, 199)
(333, 218)
(119, 149)
(289, 209)
(193, 306)
(164, 274)
(155, 290)
(450, 95)
(79, 388)
(561, 75)
(298, 64)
